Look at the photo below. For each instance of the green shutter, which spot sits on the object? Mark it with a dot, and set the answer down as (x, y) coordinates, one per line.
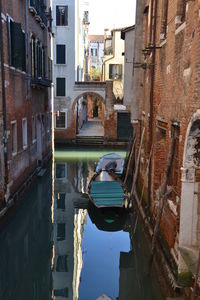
(18, 56)
(110, 71)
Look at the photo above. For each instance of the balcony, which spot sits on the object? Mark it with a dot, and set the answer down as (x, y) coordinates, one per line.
(37, 7)
(40, 82)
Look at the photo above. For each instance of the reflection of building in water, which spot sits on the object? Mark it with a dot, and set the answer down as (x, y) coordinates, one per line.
(68, 232)
(127, 273)
(25, 250)
(79, 222)
(63, 234)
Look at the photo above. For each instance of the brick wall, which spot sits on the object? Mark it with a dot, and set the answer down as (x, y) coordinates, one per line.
(24, 101)
(176, 90)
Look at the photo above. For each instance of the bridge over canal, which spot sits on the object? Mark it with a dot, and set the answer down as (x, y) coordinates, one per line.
(82, 88)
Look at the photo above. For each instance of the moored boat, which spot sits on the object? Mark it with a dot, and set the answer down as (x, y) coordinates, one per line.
(107, 190)
(111, 162)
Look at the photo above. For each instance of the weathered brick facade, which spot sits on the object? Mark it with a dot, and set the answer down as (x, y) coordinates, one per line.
(169, 108)
(27, 92)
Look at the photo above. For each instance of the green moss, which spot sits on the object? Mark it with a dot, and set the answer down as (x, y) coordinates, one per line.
(185, 279)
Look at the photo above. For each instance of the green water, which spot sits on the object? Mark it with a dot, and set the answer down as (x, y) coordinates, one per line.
(82, 155)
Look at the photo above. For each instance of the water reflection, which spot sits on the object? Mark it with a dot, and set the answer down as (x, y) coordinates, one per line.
(104, 263)
(25, 252)
(56, 247)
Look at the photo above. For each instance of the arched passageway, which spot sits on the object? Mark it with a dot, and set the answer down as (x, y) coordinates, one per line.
(89, 114)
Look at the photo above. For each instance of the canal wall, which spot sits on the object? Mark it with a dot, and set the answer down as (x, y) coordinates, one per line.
(166, 265)
(17, 195)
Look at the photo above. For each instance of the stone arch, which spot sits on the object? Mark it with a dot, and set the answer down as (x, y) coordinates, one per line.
(87, 93)
(189, 235)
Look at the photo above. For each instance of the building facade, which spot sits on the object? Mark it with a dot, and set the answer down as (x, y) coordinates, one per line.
(25, 40)
(166, 97)
(95, 54)
(128, 35)
(70, 26)
(113, 61)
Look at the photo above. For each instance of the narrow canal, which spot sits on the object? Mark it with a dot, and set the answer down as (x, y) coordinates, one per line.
(52, 246)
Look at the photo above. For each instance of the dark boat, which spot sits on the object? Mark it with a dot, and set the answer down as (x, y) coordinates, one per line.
(107, 190)
(108, 219)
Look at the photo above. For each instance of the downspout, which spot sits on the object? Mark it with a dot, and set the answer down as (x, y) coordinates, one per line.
(153, 28)
(4, 109)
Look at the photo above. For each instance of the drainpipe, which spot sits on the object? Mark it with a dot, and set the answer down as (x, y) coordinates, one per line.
(153, 28)
(4, 109)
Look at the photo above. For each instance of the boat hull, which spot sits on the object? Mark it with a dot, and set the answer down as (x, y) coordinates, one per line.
(107, 190)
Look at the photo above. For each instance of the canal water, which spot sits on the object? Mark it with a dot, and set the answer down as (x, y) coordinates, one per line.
(55, 246)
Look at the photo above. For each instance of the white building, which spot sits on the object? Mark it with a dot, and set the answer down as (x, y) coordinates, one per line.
(113, 62)
(96, 52)
(128, 34)
(70, 26)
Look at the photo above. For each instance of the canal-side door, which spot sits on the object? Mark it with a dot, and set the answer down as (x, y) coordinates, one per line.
(124, 128)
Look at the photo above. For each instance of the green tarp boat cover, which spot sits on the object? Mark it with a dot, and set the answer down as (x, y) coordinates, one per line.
(107, 193)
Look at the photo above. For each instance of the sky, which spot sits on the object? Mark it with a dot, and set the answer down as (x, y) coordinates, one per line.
(110, 14)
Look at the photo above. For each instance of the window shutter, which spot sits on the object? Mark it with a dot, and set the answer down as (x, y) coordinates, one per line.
(23, 53)
(120, 72)
(110, 71)
(66, 16)
(60, 86)
(60, 54)
(9, 40)
(57, 16)
(18, 46)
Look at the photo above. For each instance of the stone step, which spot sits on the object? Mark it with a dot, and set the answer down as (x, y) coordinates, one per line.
(89, 140)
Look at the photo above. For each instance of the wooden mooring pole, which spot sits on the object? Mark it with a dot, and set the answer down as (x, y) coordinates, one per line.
(137, 165)
(129, 161)
(141, 196)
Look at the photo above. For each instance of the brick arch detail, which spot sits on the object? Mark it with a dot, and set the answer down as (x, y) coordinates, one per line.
(86, 94)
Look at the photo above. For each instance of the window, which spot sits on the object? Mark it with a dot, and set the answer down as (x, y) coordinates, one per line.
(93, 52)
(61, 201)
(115, 71)
(14, 136)
(38, 59)
(60, 86)
(48, 126)
(33, 129)
(60, 231)
(16, 45)
(174, 171)
(61, 264)
(61, 119)
(60, 171)
(164, 16)
(24, 133)
(43, 124)
(61, 15)
(33, 57)
(181, 10)
(60, 54)
(61, 292)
